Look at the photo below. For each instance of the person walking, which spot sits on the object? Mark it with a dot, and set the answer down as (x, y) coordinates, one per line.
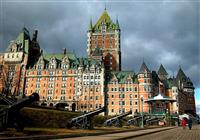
(183, 122)
(190, 123)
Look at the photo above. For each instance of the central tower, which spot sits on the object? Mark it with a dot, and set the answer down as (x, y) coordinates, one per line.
(104, 42)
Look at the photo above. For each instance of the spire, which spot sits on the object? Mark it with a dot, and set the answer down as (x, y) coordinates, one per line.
(181, 75)
(105, 7)
(35, 33)
(162, 70)
(144, 68)
(90, 26)
(117, 24)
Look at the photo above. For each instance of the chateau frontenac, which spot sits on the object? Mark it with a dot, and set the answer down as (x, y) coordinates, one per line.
(88, 83)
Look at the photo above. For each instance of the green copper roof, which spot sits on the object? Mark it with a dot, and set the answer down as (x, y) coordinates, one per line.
(104, 20)
(57, 56)
(104, 17)
(23, 38)
(88, 61)
(162, 70)
(168, 83)
(122, 76)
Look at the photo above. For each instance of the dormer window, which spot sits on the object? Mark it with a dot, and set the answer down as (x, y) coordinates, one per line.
(39, 67)
(64, 66)
(103, 28)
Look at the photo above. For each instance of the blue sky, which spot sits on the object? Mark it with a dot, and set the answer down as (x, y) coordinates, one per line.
(197, 100)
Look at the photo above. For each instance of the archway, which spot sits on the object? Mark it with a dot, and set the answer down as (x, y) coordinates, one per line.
(43, 104)
(62, 105)
(73, 107)
(51, 104)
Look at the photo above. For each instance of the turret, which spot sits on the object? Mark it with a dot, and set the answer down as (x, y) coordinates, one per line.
(90, 26)
(162, 73)
(180, 78)
(145, 84)
(117, 24)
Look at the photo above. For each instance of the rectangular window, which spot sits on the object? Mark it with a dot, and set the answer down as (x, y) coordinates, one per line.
(135, 89)
(38, 80)
(51, 79)
(64, 78)
(122, 103)
(135, 103)
(135, 96)
(37, 85)
(121, 95)
(63, 92)
(62, 98)
(50, 91)
(63, 85)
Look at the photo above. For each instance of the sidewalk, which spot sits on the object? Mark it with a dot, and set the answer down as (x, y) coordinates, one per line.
(123, 135)
(95, 136)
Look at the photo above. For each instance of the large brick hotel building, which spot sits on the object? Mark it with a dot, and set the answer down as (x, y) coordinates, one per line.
(86, 84)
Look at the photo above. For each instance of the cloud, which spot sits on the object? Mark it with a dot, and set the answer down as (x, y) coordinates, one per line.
(158, 32)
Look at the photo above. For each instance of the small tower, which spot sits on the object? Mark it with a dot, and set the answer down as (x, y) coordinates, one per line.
(185, 86)
(180, 78)
(16, 60)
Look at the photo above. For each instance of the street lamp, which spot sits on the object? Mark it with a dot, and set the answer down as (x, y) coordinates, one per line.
(142, 99)
(167, 121)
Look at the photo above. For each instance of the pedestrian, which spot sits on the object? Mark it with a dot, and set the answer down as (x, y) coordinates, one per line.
(183, 122)
(190, 123)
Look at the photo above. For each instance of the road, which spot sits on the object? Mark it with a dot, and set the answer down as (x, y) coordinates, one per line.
(170, 134)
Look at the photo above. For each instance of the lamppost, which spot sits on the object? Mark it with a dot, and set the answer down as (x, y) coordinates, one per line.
(142, 99)
(167, 117)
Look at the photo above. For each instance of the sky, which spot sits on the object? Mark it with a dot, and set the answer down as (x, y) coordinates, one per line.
(156, 31)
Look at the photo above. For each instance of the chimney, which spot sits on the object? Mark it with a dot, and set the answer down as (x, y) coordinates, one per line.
(65, 51)
(41, 51)
(35, 35)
